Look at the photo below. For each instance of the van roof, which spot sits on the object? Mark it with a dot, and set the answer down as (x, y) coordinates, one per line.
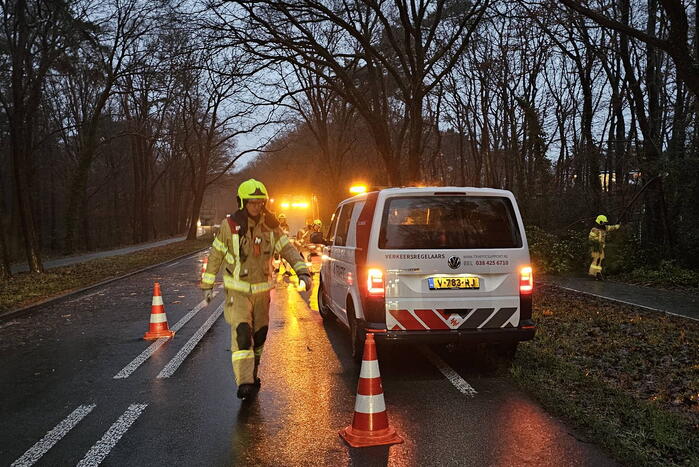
(468, 190)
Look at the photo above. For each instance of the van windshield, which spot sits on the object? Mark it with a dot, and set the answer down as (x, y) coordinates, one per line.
(448, 222)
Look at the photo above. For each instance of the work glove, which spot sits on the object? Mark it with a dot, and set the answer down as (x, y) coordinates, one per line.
(307, 282)
(208, 295)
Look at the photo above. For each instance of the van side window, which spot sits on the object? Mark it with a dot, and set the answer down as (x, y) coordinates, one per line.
(343, 224)
(333, 223)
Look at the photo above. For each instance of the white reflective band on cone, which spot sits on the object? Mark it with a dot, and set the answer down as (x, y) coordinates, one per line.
(158, 318)
(369, 404)
(157, 300)
(370, 369)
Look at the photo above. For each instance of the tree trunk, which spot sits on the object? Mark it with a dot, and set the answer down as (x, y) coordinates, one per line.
(415, 140)
(5, 271)
(21, 123)
(76, 202)
(196, 208)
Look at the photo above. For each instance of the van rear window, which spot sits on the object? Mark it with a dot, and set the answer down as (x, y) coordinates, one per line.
(448, 222)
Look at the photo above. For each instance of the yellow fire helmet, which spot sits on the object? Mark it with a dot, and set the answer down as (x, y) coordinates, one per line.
(281, 216)
(251, 189)
(601, 219)
(318, 222)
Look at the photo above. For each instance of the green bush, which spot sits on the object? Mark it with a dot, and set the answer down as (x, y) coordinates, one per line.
(557, 254)
(624, 253)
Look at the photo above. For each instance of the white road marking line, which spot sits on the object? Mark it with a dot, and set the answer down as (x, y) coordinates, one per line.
(171, 264)
(35, 452)
(102, 448)
(86, 296)
(453, 377)
(146, 354)
(621, 301)
(175, 363)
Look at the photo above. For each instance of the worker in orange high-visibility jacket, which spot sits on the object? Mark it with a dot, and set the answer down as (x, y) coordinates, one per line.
(244, 248)
(598, 237)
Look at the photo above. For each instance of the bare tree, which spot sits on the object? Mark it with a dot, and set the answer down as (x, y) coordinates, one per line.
(210, 119)
(369, 51)
(37, 33)
(108, 52)
(676, 44)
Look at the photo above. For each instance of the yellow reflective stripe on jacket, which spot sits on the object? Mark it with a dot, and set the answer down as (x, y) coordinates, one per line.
(236, 256)
(299, 266)
(260, 287)
(258, 351)
(246, 287)
(281, 243)
(220, 246)
(243, 354)
(232, 284)
(208, 278)
(229, 258)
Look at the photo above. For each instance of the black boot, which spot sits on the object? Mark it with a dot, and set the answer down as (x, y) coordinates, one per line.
(245, 391)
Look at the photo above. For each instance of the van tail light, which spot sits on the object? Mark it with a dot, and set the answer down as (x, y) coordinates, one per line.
(526, 280)
(375, 282)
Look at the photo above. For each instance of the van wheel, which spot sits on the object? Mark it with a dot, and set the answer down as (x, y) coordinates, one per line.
(357, 334)
(323, 308)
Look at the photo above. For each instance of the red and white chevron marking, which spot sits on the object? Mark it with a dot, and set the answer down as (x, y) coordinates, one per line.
(440, 319)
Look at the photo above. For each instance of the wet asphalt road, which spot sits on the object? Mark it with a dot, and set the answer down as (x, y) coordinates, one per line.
(61, 405)
(672, 302)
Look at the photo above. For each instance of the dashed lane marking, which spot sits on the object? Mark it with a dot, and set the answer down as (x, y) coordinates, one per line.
(171, 264)
(175, 363)
(35, 452)
(146, 354)
(453, 377)
(103, 447)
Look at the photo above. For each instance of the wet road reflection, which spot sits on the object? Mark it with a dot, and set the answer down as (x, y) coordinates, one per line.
(308, 394)
(67, 357)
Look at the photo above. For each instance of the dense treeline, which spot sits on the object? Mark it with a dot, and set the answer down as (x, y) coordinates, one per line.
(578, 112)
(117, 116)
(115, 119)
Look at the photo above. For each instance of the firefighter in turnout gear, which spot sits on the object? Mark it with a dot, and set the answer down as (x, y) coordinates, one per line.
(597, 237)
(283, 224)
(244, 248)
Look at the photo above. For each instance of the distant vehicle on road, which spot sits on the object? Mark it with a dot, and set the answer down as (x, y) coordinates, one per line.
(434, 265)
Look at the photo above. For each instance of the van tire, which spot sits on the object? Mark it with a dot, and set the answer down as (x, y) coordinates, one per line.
(357, 335)
(323, 308)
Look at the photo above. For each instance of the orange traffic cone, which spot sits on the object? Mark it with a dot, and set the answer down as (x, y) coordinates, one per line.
(203, 266)
(158, 320)
(370, 423)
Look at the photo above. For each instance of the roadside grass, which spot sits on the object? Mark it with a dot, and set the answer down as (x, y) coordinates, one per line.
(626, 378)
(26, 288)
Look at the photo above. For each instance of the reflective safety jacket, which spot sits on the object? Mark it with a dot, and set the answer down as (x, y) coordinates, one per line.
(246, 257)
(598, 236)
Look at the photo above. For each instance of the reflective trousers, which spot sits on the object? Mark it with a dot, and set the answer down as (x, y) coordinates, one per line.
(248, 316)
(596, 265)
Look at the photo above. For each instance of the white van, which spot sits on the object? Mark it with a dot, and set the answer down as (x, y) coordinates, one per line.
(433, 265)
